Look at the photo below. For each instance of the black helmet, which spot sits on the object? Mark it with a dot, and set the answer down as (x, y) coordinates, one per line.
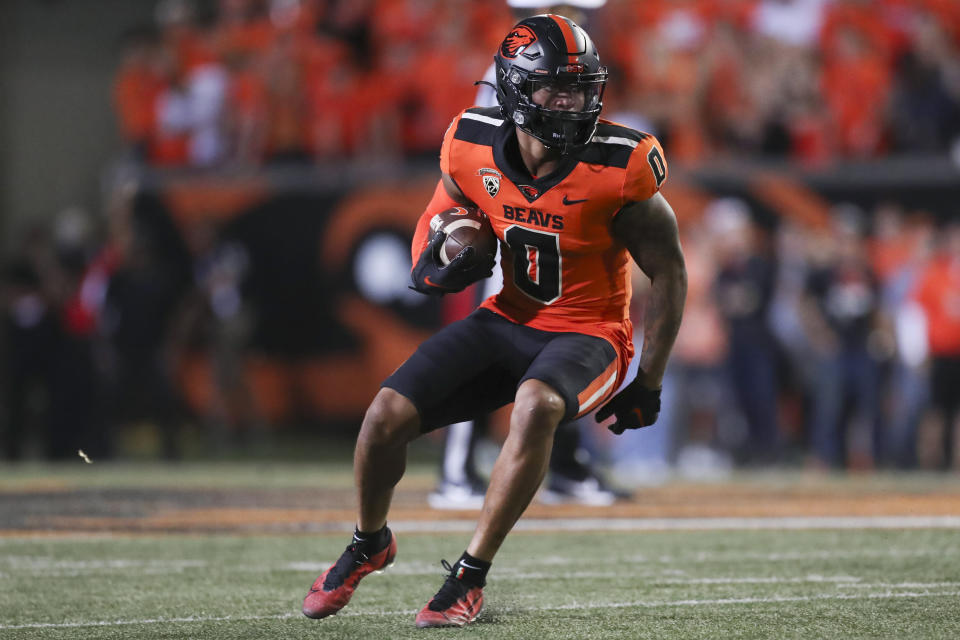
(550, 49)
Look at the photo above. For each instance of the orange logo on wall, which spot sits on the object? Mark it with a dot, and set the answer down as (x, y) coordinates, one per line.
(518, 39)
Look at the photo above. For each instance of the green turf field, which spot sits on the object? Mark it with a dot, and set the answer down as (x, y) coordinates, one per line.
(770, 584)
(733, 583)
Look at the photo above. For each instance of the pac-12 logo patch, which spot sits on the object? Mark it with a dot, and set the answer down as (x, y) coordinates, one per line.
(491, 181)
(516, 41)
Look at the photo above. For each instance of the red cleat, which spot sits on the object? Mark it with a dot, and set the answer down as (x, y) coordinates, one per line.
(333, 590)
(455, 605)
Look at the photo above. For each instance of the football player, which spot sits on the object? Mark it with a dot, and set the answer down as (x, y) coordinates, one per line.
(571, 476)
(571, 198)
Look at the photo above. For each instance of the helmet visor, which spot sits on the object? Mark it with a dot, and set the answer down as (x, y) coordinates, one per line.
(569, 93)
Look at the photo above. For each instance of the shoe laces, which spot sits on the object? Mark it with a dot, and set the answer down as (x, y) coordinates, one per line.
(349, 561)
(451, 591)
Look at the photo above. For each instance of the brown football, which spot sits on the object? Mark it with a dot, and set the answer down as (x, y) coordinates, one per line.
(465, 227)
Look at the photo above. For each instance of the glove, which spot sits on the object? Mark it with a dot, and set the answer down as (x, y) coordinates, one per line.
(635, 406)
(431, 278)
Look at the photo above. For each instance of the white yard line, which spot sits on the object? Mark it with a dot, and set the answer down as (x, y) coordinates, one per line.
(690, 524)
(788, 556)
(649, 604)
(767, 600)
(47, 566)
(899, 585)
(48, 562)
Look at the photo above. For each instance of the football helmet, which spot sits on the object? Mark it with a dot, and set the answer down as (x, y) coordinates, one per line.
(550, 51)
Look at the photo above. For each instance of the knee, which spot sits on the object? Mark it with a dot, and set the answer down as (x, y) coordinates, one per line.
(537, 409)
(391, 420)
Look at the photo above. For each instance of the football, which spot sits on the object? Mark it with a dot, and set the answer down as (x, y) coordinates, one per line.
(465, 227)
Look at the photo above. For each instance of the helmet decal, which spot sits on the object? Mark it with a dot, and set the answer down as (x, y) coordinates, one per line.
(517, 40)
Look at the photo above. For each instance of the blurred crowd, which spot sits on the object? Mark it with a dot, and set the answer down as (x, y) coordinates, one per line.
(89, 305)
(223, 82)
(833, 346)
(830, 346)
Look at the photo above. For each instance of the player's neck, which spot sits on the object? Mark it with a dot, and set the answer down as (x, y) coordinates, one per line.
(539, 159)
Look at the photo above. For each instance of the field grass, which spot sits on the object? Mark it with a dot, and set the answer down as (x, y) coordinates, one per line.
(547, 582)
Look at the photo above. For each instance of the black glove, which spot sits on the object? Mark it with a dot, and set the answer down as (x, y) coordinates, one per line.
(431, 278)
(635, 406)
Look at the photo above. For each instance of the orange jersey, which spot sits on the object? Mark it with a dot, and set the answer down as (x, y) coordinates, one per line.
(562, 269)
(938, 292)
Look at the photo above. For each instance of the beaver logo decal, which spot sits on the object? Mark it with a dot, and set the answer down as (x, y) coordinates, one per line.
(516, 41)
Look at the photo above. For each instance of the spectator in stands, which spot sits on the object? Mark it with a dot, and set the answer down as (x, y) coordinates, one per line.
(925, 105)
(218, 318)
(50, 381)
(308, 79)
(191, 108)
(842, 314)
(29, 333)
(143, 294)
(938, 294)
(743, 290)
(139, 81)
(856, 50)
(899, 250)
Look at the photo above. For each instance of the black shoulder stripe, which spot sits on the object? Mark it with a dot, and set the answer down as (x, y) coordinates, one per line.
(608, 155)
(612, 145)
(478, 128)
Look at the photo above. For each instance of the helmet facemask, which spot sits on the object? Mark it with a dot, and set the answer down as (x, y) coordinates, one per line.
(558, 129)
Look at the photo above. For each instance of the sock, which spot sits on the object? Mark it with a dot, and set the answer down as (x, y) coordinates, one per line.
(372, 541)
(471, 570)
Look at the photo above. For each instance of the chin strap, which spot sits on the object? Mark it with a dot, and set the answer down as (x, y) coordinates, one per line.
(489, 84)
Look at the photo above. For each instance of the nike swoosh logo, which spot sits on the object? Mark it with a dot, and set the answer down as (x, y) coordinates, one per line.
(568, 202)
(426, 279)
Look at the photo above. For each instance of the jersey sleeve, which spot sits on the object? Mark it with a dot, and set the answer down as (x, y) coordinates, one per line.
(646, 171)
(440, 201)
(446, 162)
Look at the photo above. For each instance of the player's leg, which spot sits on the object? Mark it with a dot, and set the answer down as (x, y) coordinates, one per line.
(379, 461)
(517, 473)
(432, 388)
(521, 466)
(453, 375)
(569, 376)
(380, 457)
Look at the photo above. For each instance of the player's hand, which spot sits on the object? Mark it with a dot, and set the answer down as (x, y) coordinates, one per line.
(433, 279)
(635, 406)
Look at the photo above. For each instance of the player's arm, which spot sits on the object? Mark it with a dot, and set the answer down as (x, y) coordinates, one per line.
(440, 201)
(649, 231)
(428, 275)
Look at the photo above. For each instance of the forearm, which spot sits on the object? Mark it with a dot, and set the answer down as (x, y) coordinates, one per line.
(661, 322)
